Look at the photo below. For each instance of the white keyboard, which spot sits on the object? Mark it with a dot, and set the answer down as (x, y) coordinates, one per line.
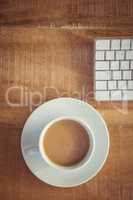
(114, 69)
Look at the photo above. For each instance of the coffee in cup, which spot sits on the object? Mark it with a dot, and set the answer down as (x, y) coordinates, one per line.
(66, 143)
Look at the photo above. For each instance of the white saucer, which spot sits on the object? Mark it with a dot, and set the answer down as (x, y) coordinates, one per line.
(49, 111)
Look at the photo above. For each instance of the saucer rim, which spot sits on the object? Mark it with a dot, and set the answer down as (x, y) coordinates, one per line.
(107, 149)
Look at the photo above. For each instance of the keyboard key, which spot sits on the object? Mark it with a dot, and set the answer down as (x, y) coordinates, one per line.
(112, 85)
(102, 65)
(126, 75)
(125, 44)
(119, 55)
(101, 85)
(116, 75)
(115, 44)
(114, 65)
(102, 95)
(116, 95)
(128, 95)
(109, 55)
(130, 85)
(132, 44)
(100, 55)
(114, 69)
(122, 85)
(129, 55)
(124, 65)
(103, 75)
(131, 65)
(102, 44)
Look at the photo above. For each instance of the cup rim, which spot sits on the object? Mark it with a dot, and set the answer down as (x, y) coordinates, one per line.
(87, 156)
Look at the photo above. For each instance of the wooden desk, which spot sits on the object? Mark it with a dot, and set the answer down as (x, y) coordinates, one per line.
(115, 181)
(114, 15)
(59, 62)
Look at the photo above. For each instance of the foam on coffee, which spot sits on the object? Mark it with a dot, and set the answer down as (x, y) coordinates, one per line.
(66, 142)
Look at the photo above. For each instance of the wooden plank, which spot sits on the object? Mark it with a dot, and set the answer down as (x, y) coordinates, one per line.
(94, 14)
(42, 64)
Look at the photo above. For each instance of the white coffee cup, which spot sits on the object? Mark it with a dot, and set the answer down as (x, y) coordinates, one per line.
(88, 155)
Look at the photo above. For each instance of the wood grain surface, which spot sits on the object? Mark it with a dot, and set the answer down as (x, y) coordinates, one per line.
(61, 62)
(94, 14)
(45, 61)
(115, 181)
